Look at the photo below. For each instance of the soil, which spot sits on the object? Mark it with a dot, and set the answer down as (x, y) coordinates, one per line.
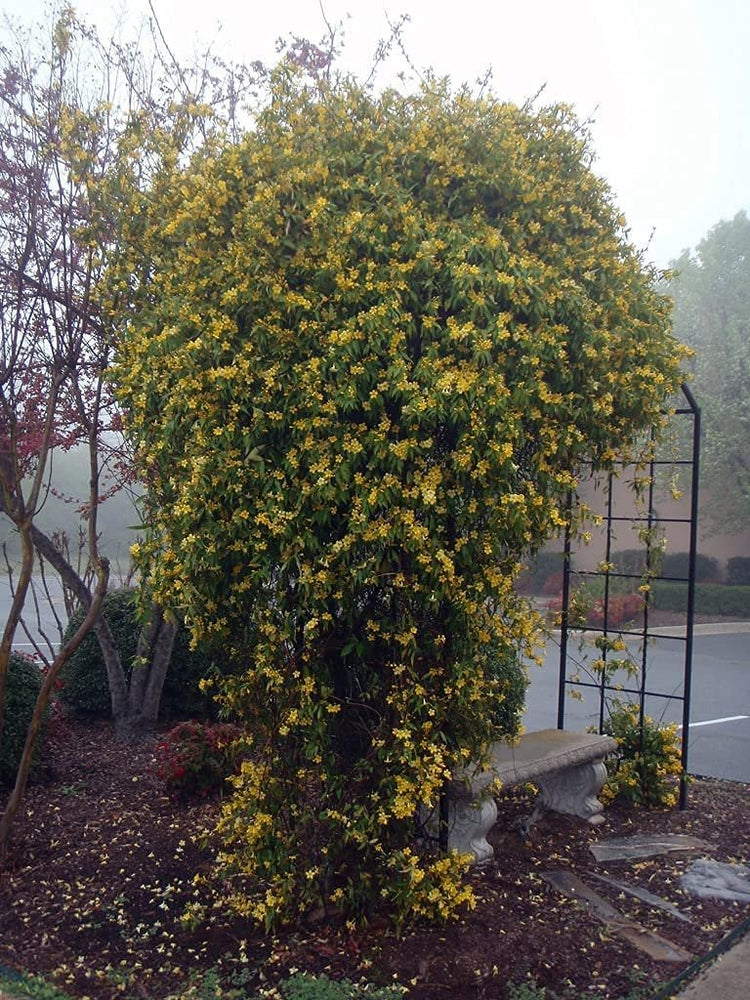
(102, 867)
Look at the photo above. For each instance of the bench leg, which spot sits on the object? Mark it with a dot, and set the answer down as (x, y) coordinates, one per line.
(574, 791)
(469, 823)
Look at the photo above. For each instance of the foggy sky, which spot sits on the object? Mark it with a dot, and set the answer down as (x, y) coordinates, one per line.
(666, 81)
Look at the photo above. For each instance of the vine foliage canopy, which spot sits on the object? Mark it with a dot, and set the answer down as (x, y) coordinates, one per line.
(375, 339)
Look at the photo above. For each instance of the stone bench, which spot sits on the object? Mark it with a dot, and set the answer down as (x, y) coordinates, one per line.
(568, 768)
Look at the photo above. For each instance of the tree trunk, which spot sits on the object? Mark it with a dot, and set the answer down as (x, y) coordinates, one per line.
(115, 672)
(135, 707)
(147, 679)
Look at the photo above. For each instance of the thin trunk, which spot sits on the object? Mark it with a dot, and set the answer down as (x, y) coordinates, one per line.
(135, 707)
(161, 656)
(16, 798)
(115, 672)
(147, 679)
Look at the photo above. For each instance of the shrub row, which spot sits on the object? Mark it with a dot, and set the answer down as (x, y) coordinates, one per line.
(671, 564)
(738, 571)
(710, 598)
(544, 574)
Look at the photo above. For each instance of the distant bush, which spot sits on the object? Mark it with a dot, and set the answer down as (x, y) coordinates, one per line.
(632, 561)
(738, 571)
(85, 688)
(674, 564)
(539, 569)
(553, 584)
(196, 758)
(24, 681)
(621, 608)
(677, 564)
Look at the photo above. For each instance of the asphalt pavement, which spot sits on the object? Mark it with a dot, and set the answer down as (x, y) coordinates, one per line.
(719, 743)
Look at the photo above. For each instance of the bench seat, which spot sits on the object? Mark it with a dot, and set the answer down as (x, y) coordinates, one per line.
(567, 767)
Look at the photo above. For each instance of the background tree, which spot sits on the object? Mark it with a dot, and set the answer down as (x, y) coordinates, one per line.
(377, 339)
(48, 369)
(83, 125)
(711, 290)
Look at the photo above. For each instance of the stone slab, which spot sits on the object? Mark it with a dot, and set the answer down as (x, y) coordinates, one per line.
(647, 941)
(646, 846)
(716, 880)
(645, 896)
(536, 755)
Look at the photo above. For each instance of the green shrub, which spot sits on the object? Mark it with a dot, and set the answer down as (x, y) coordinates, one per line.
(643, 768)
(710, 598)
(196, 759)
(738, 571)
(508, 670)
(181, 696)
(24, 682)
(85, 688)
(21, 985)
(84, 685)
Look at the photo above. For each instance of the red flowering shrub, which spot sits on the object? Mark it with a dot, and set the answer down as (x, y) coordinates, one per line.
(622, 608)
(196, 758)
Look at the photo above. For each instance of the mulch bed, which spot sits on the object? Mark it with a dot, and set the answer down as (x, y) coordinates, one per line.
(103, 865)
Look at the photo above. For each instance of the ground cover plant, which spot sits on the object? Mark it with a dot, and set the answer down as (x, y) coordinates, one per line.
(367, 352)
(100, 898)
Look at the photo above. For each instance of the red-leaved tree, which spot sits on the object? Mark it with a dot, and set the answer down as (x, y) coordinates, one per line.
(83, 126)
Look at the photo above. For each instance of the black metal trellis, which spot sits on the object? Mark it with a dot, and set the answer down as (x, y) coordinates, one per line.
(650, 521)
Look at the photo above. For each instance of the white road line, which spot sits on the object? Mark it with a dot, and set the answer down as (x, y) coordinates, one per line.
(715, 722)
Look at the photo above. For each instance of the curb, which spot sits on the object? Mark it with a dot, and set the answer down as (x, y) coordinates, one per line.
(728, 977)
(705, 628)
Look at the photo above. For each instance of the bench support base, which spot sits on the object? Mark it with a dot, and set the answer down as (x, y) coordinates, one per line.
(572, 791)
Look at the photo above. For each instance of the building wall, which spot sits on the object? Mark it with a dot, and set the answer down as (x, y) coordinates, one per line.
(673, 515)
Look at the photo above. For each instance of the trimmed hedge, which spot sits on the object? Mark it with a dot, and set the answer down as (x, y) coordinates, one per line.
(674, 564)
(85, 688)
(710, 598)
(738, 571)
(84, 685)
(24, 681)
